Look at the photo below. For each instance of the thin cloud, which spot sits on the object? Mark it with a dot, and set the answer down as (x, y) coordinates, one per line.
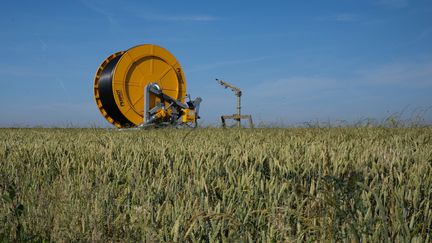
(401, 74)
(109, 16)
(419, 38)
(294, 86)
(44, 46)
(367, 93)
(415, 74)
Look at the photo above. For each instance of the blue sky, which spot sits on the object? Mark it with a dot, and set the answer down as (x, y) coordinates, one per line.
(296, 61)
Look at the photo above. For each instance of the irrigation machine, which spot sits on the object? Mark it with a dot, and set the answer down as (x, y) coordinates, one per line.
(144, 87)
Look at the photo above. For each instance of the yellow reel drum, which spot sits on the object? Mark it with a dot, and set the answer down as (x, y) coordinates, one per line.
(121, 79)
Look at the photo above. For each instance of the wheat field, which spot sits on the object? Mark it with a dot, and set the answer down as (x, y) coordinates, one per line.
(216, 185)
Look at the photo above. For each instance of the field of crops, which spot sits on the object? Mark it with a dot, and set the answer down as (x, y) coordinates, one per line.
(296, 184)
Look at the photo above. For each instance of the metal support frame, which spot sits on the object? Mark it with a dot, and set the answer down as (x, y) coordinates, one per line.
(237, 116)
(176, 107)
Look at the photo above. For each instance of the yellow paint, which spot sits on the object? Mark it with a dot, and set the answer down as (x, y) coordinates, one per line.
(140, 66)
(188, 116)
(136, 68)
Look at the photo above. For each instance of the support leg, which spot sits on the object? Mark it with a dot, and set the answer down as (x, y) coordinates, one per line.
(250, 122)
(223, 121)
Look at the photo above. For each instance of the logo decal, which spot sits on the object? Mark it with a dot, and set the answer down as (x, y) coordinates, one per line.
(120, 97)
